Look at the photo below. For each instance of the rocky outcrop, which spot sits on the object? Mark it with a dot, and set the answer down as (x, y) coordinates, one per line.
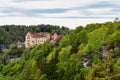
(105, 50)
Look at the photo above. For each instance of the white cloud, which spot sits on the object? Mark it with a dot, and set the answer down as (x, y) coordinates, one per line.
(99, 11)
(3, 14)
(76, 8)
(69, 13)
(47, 4)
(71, 23)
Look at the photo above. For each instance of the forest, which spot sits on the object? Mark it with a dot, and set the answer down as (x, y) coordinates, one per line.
(99, 43)
(13, 33)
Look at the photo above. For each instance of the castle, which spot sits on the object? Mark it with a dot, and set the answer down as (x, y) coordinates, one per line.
(32, 39)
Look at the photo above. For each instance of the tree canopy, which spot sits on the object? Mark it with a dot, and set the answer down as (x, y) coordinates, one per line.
(66, 61)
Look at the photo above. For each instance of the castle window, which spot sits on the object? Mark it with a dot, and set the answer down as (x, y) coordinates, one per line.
(28, 40)
(28, 44)
(28, 37)
(33, 42)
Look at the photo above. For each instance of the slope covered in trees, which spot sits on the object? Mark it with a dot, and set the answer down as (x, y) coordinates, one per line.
(13, 33)
(65, 62)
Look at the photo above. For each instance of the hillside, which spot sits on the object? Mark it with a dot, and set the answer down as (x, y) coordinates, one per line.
(98, 43)
(13, 33)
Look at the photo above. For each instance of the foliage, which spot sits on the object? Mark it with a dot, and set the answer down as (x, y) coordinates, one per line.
(64, 62)
(43, 77)
(13, 33)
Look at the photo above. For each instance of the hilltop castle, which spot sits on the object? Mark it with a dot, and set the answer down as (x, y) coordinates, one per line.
(32, 39)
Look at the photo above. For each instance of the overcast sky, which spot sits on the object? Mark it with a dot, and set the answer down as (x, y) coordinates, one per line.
(70, 13)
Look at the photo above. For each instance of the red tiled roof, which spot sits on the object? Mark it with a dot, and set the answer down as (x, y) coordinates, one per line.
(51, 37)
(59, 37)
(38, 35)
(45, 34)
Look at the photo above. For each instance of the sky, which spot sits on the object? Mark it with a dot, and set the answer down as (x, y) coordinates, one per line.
(69, 13)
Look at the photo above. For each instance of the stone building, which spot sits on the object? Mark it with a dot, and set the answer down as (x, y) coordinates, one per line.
(32, 39)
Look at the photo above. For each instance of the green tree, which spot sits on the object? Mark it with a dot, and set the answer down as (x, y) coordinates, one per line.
(43, 77)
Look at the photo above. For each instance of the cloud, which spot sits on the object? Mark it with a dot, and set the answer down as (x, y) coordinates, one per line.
(32, 11)
(101, 4)
(26, 0)
(71, 23)
(41, 4)
(68, 14)
(59, 10)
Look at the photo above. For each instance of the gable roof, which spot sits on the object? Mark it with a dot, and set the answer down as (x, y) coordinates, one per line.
(38, 35)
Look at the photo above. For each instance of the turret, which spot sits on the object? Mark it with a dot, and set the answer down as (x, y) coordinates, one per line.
(55, 36)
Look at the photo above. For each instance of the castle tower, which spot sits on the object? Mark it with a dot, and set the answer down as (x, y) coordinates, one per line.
(55, 36)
